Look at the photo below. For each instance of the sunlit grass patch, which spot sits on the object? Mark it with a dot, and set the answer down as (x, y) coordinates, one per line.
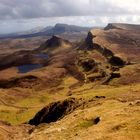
(86, 123)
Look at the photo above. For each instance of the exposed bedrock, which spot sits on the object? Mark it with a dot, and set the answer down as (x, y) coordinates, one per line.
(108, 54)
(55, 111)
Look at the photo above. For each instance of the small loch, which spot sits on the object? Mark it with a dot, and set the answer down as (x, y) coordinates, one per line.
(28, 67)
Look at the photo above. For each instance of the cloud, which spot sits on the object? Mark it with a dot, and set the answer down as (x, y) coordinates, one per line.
(22, 9)
(25, 14)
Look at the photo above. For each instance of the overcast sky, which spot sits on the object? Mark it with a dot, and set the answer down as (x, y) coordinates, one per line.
(16, 15)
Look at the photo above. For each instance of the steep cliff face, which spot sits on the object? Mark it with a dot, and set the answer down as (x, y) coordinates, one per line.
(92, 44)
(118, 46)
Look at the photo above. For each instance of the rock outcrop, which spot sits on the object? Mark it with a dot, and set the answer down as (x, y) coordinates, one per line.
(55, 111)
(53, 42)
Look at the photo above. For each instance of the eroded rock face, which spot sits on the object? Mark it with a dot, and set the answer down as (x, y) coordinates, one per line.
(55, 111)
(87, 64)
(107, 53)
(116, 61)
(89, 40)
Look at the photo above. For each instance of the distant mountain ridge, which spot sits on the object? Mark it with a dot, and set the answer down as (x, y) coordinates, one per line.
(122, 26)
(48, 31)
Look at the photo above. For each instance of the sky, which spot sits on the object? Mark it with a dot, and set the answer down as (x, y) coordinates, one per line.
(20, 15)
